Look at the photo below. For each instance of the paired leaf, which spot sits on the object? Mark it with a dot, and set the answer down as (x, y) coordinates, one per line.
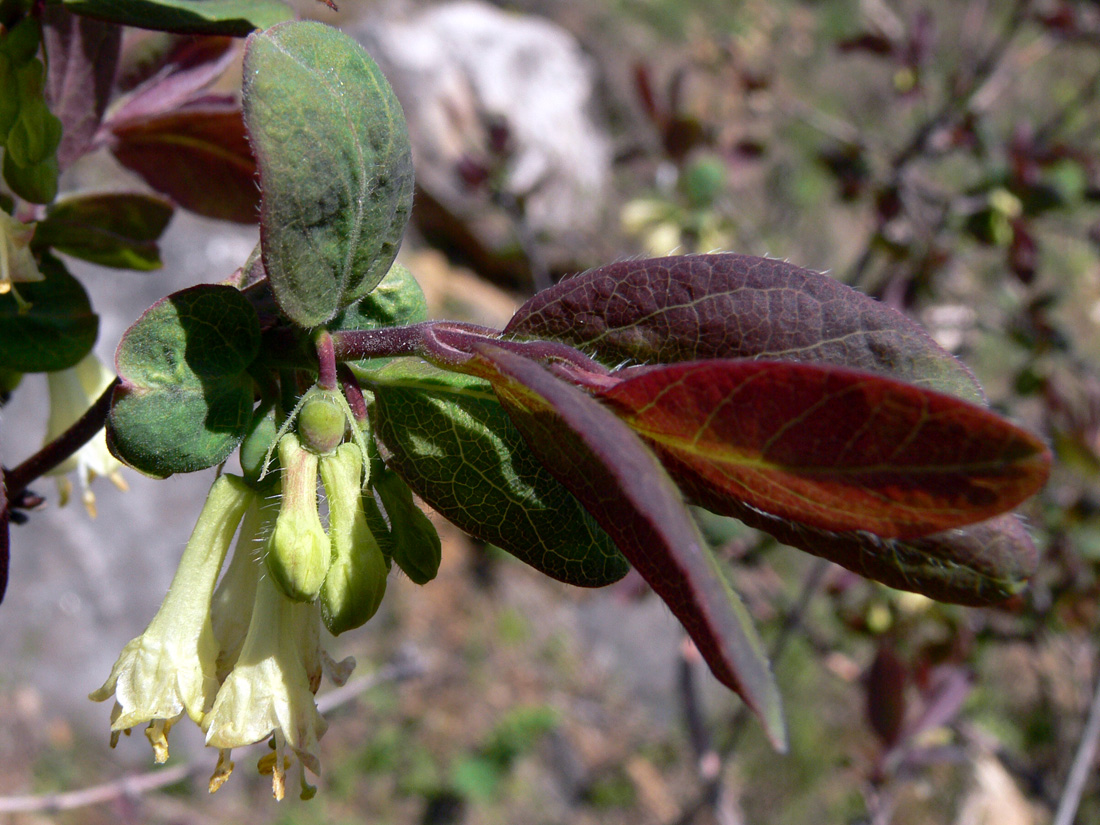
(626, 490)
(230, 17)
(112, 229)
(83, 55)
(186, 398)
(335, 167)
(830, 447)
(29, 132)
(977, 565)
(698, 307)
(56, 331)
(446, 435)
(197, 155)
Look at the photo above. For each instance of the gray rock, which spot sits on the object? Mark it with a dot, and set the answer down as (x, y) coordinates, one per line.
(463, 67)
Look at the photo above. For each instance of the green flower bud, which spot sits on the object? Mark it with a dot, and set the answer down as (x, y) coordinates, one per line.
(411, 538)
(321, 422)
(298, 552)
(356, 579)
(256, 446)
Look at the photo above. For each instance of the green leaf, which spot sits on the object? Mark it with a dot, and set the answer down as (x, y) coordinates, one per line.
(111, 229)
(405, 534)
(335, 167)
(448, 437)
(186, 398)
(624, 487)
(36, 183)
(56, 332)
(228, 17)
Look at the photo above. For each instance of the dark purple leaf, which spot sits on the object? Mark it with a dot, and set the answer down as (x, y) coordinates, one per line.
(697, 307)
(626, 490)
(199, 156)
(190, 67)
(977, 565)
(82, 55)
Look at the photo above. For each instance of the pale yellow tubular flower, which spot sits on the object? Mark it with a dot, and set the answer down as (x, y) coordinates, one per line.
(269, 692)
(17, 262)
(171, 668)
(72, 392)
(231, 607)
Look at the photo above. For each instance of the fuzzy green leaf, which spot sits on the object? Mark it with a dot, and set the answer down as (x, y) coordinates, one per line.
(448, 437)
(186, 399)
(335, 167)
(56, 332)
(111, 229)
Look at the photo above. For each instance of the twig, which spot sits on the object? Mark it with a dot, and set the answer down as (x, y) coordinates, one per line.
(1082, 764)
(407, 665)
(50, 456)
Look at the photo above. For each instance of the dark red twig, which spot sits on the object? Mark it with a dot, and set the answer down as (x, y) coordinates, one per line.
(52, 454)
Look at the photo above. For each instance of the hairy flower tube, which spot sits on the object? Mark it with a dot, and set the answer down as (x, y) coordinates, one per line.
(72, 392)
(171, 669)
(298, 553)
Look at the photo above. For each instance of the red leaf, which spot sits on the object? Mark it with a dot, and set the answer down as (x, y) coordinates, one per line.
(625, 489)
(697, 307)
(83, 54)
(199, 156)
(830, 447)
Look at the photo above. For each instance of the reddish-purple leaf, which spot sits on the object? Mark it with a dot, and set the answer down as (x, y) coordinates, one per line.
(831, 447)
(82, 55)
(977, 565)
(193, 65)
(626, 490)
(698, 307)
(198, 155)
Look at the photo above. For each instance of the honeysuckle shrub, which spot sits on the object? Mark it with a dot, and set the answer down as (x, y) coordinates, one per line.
(575, 438)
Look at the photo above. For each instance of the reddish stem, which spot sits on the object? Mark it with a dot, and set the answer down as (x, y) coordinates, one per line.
(52, 454)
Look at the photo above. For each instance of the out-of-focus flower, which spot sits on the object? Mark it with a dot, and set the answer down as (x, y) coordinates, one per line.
(171, 669)
(17, 263)
(72, 392)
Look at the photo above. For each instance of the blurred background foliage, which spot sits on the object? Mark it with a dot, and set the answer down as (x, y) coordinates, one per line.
(941, 155)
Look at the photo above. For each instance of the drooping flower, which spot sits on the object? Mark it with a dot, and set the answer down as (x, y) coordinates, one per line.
(171, 668)
(72, 392)
(17, 262)
(269, 693)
